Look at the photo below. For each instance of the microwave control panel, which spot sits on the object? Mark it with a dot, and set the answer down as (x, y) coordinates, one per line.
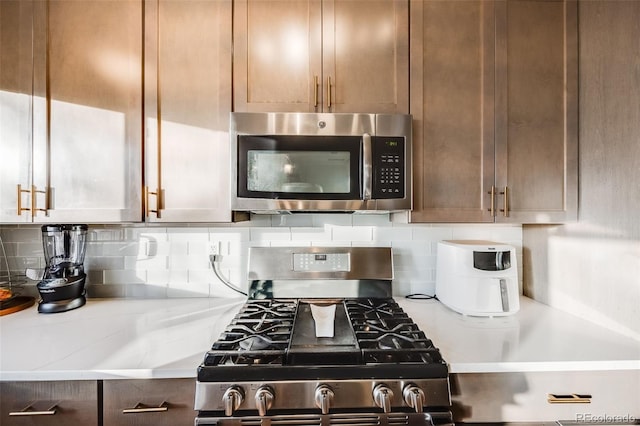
(388, 167)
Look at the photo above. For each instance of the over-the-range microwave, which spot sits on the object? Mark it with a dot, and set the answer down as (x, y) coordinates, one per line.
(310, 162)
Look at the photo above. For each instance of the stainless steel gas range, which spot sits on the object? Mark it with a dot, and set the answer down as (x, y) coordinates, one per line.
(320, 341)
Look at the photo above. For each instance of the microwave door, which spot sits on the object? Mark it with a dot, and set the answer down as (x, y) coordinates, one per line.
(278, 167)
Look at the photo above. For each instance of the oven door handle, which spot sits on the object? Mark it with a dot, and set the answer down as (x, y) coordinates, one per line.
(367, 167)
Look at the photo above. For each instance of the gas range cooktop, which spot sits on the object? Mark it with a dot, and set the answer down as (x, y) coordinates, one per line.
(371, 336)
(322, 342)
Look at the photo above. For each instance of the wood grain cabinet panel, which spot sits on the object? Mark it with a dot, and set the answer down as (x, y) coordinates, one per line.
(155, 402)
(494, 100)
(321, 56)
(71, 102)
(187, 104)
(49, 403)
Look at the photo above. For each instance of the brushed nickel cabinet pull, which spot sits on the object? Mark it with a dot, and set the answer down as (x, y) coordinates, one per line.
(29, 411)
(505, 194)
(492, 205)
(329, 92)
(143, 408)
(573, 398)
(315, 91)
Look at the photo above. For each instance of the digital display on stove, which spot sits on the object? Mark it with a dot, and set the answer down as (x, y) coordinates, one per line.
(321, 262)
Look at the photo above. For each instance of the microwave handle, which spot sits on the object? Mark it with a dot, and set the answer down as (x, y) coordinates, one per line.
(367, 167)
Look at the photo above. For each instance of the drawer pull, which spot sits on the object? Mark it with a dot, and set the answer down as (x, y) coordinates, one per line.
(573, 398)
(143, 408)
(29, 411)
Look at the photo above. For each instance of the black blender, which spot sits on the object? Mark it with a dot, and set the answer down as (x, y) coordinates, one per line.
(62, 285)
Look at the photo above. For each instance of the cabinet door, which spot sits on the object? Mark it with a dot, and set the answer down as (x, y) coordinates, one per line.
(49, 403)
(536, 111)
(16, 72)
(277, 55)
(365, 56)
(154, 402)
(321, 56)
(87, 137)
(187, 106)
(452, 82)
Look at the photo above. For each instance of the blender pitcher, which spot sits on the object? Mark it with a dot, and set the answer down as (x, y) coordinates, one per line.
(62, 286)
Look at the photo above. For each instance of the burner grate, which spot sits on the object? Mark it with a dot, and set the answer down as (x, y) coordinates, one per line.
(386, 334)
(259, 334)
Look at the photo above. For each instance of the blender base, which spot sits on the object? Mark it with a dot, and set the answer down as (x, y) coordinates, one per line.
(61, 305)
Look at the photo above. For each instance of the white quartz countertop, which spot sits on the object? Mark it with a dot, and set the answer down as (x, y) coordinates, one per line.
(167, 338)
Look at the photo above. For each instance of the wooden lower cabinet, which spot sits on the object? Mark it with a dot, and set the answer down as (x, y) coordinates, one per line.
(49, 403)
(149, 402)
(570, 397)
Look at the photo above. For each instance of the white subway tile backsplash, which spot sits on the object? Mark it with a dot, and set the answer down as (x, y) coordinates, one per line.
(146, 263)
(391, 233)
(311, 234)
(320, 220)
(431, 232)
(352, 233)
(270, 234)
(292, 220)
(380, 220)
(188, 234)
(97, 263)
(152, 260)
(127, 277)
(29, 249)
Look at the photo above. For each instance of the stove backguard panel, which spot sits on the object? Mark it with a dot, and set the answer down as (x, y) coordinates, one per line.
(320, 272)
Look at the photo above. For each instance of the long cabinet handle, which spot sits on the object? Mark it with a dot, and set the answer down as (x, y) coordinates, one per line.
(20, 208)
(143, 408)
(329, 92)
(158, 209)
(315, 91)
(492, 205)
(29, 411)
(505, 199)
(573, 398)
(34, 202)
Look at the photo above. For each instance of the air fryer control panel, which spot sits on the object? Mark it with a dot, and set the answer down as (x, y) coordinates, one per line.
(388, 167)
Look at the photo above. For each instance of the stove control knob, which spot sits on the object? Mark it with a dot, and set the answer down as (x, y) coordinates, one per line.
(324, 396)
(414, 397)
(382, 396)
(232, 399)
(264, 399)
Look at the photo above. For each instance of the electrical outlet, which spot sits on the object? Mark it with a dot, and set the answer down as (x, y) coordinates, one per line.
(214, 248)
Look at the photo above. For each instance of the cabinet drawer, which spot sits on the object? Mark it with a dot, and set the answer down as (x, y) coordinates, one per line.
(577, 396)
(149, 402)
(49, 403)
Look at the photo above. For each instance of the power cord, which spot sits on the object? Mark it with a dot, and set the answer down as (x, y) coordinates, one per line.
(214, 259)
(421, 296)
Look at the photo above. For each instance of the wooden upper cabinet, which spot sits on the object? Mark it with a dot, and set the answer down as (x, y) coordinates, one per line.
(537, 111)
(71, 102)
(452, 85)
(494, 100)
(187, 105)
(321, 56)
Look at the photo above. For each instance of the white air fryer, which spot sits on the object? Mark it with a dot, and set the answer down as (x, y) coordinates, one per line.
(477, 278)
